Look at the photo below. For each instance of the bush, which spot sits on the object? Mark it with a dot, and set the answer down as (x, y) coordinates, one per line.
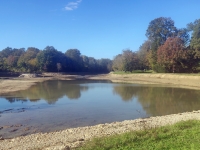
(159, 69)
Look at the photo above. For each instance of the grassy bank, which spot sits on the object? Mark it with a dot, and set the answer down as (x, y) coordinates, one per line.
(152, 72)
(183, 135)
(133, 72)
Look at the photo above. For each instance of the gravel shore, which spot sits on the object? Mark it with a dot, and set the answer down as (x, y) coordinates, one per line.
(72, 138)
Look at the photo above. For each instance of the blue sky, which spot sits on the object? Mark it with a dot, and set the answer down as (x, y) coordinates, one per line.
(98, 28)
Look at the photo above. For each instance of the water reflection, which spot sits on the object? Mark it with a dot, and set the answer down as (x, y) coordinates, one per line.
(160, 100)
(154, 100)
(127, 92)
(51, 91)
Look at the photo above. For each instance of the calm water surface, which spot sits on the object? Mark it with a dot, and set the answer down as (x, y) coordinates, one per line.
(57, 105)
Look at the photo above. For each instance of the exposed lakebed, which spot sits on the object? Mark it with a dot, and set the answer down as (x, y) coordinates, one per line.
(57, 105)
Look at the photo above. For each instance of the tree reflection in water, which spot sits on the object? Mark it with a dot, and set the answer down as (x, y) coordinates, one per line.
(50, 91)
(153, 99)
(160, 100)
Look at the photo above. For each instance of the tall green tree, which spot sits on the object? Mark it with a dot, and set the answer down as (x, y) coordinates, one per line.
(118, 63)
(183, 34)
(192, 25)
(4, 54)
(76, 62)
(195, 40)
(104, 65)
(158, 31)
(48, 59)
(194, 28)
(27, 61)
(92, 64)
(143, 55)
(9, 58)
(129, 60)
(85, 60)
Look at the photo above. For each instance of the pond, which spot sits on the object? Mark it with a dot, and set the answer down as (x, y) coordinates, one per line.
(57, 105)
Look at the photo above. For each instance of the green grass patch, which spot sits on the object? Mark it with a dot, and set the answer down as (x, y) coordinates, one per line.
(181, 136)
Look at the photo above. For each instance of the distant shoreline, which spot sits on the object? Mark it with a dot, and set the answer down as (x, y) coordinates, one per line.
(175, 80)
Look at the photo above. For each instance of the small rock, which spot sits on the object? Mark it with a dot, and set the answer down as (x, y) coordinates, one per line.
(1, 128)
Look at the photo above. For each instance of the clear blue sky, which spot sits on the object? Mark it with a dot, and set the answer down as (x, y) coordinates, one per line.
(98, 28)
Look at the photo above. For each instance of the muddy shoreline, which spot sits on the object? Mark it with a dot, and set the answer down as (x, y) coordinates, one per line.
(175, 80)
(74, 137)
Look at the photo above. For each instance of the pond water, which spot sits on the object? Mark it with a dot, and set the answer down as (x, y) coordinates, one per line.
(57, 105)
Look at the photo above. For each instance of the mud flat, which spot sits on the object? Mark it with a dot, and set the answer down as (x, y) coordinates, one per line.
(17, 84)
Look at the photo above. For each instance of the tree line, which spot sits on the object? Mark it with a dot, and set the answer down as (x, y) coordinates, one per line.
(50, 60)
(167, 49)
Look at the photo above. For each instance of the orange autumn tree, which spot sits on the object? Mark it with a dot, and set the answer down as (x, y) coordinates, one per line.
(172, 55)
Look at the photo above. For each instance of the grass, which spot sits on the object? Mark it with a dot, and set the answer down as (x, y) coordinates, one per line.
(151, 71)
(133, 72)
(181, 136)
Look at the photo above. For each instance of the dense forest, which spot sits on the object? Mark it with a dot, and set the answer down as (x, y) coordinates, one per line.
(50, 60)
(167, 49)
